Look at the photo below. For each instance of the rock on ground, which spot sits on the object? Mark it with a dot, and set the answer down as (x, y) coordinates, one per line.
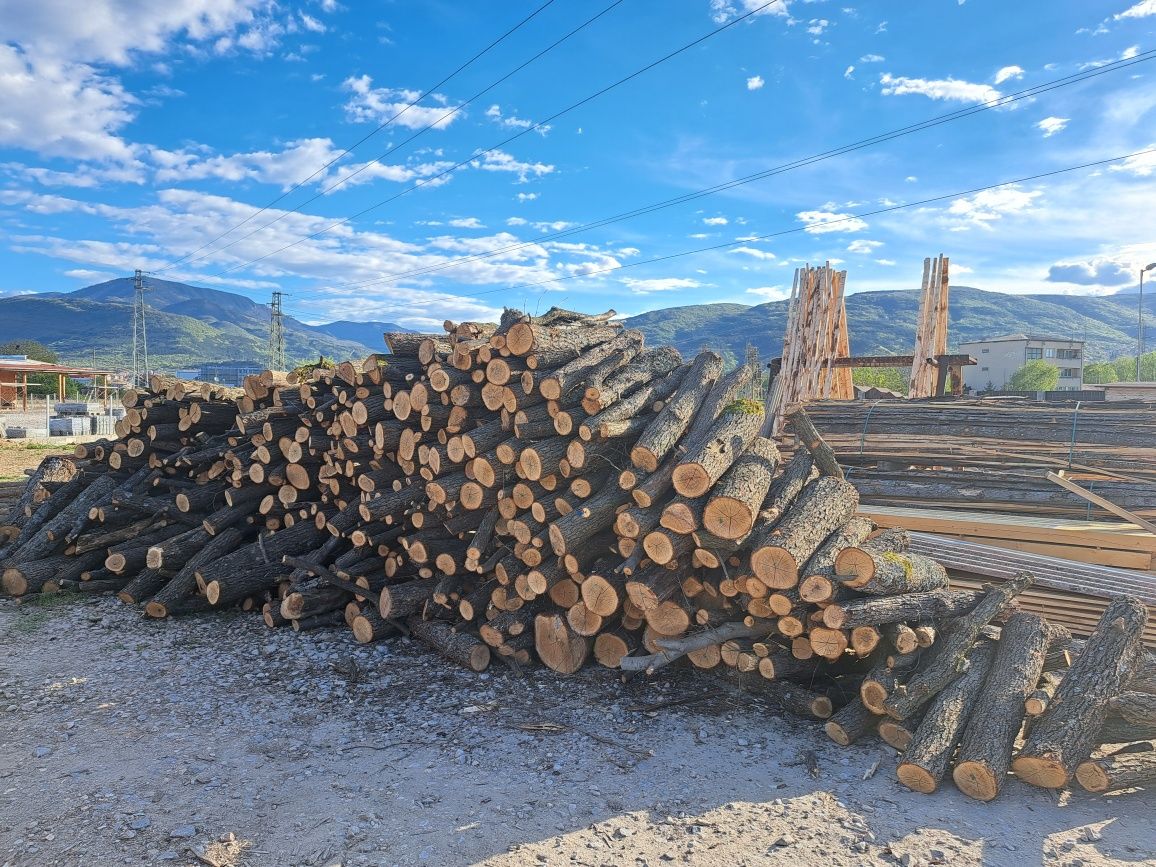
(213, 740)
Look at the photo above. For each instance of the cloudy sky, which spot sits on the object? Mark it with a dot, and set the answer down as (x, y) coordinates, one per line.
(375, 160)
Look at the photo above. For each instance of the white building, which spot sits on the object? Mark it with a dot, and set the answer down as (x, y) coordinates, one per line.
(1000, 357)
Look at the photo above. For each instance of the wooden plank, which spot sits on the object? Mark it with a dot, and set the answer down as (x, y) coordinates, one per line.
(1092, 534)
(1107, 505)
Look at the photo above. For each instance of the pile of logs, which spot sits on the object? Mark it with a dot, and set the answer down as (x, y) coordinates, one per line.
(546, 489)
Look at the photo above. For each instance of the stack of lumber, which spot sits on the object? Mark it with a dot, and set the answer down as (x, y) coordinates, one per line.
(546, 489)
(995, 454)
(1121, 545)
(815, 336)
(931, 329)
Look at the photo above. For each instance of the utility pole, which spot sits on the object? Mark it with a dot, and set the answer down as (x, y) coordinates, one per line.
(276, 334)
(140, 331)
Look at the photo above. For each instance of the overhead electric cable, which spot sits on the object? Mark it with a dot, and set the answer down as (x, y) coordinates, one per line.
(376, 160)
(802, 162)
(504, 142)
(368, 136)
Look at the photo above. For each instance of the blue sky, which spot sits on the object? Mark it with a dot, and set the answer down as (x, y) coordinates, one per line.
(133, 132)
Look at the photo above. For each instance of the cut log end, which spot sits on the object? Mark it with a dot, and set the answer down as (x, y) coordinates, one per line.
(837, 733)
(728, 518)
(776, 568)
(976, 780)
(14, 582)
(1092, 777)
(1039, 771)
(915, 778)
(691, 480)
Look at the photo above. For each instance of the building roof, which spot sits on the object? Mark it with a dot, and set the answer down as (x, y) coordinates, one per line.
(1015, 338)
(1125, 385)
(27, 365)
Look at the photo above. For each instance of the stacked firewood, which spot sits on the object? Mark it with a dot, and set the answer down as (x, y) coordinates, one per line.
(544, 489)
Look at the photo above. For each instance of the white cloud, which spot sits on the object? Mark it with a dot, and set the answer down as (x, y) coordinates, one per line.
(516, 221)
(769, 293)
(722, 11)
(863, 246)
(526, 197)
(62, 109)
(500, 161)
(946, 88)
(311, 24)
(1093, 272)
(1129, 52)
(1049, 126)
(510, 121)
(1141, 165)
(1007, 73)
(715, 221)
(872, 58)
(755, 82)
(285, 168)
(369, 104)
(849, 72)
(911, 179)
(886, 263)
(1141, 10)
(822, 222)
(467, 223)
(660, 284)
(89, 276)
(989, 206)
(816, 26)
(754, 253)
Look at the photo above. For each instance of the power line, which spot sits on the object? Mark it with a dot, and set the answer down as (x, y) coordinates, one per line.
(802, 162)
(848, 218)
(376, 160)
(432, 178)
(276, 333)
(347, 151)
(796, 229)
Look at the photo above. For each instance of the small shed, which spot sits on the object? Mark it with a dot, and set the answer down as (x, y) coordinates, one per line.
(1117, 391)
(15, 370)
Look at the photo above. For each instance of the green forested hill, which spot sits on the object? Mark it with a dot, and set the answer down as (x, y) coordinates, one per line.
(884, 322)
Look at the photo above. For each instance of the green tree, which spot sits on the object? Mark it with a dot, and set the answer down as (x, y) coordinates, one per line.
(1036, 375)
(894, 378)
(33, 349)
(1100, 372)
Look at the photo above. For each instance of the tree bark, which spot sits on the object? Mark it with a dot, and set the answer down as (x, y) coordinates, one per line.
(786, 488)
(735, 500)
(778, 553)
(822, 453)
(668, 427)
(943, 665)
(877, 572)
(850, 723)
(459, 647)
(985, 750)
(181, 588)
(1135, 707)
(927, 757)
(894, 609)
(712, 455)
(1065, 734)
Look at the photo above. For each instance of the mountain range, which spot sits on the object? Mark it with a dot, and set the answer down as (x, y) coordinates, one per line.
(186, 325)
(189, 324)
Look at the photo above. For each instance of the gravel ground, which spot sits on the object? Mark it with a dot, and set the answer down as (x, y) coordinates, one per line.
(213, 740)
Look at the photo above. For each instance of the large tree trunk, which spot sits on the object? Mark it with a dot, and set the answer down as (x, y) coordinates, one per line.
(735, 500)
(778, 553)
(1124, 771)
(1065, 734)
(895, 609)
(929, 753)
(985, 750)
(943, 665)
(662, 434)
(712, 455)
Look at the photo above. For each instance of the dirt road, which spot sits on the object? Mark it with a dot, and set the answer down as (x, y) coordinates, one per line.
(214, 740)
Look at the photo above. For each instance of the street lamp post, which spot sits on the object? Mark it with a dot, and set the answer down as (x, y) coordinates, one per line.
(1140, 319)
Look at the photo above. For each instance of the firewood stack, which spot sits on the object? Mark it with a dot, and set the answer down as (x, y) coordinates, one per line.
(550, 489)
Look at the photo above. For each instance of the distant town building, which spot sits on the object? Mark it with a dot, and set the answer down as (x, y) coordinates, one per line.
(1000, 357)
(228, 372)
(1127, 390)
